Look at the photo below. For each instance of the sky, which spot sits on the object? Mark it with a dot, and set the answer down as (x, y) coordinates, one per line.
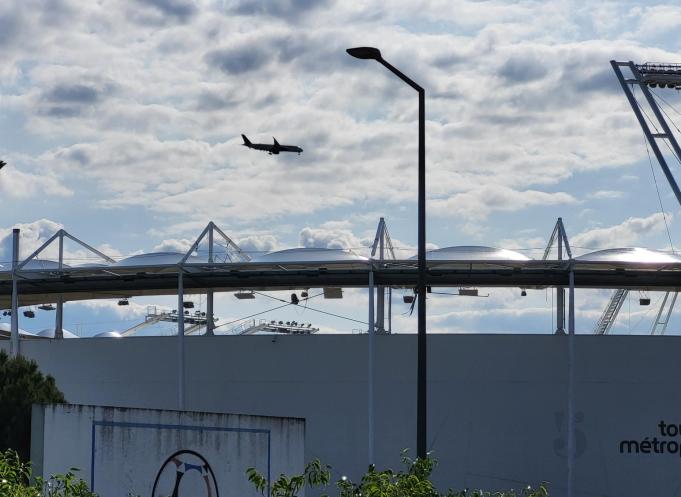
(121, 123)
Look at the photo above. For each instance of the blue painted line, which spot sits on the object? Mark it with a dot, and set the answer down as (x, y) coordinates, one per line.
(157, 426)
(177, 427)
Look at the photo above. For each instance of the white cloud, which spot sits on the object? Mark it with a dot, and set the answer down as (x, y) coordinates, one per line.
(31, 237)
(627, 233)
(606, 195)
(15, 184)
(480, 202)
(131, 311)
(258, 244)
(174, 245)
(333, 238)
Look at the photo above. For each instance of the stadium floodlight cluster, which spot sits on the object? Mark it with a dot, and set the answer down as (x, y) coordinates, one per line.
(656, 74)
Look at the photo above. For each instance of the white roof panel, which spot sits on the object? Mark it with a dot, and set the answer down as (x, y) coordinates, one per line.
(156, 259)
(7, 327)
(43, 264)
(309, 255)
(474, 253)
(108, 334)
(49, 333)
(631, 254)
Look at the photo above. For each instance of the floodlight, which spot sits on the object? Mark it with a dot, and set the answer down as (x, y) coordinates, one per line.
(408, 299)
(365, 53)
(644, 301)
(333, 293)
(188, 305)
(123, 302)
(46, 307)
(294, 299)
(523, 293)
(29, 314)
(244, 295)
(468, 292)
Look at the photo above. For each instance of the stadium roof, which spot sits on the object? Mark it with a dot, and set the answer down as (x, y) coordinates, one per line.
(157, 273)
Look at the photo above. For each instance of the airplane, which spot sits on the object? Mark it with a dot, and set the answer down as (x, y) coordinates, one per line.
(271, 149)
(2, 164)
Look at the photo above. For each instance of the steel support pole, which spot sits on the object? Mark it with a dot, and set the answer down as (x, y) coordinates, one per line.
(571, 389)
(560, 293)
(210, 324)
(372, 334)
(422, 379)
(59, 316)
(180, 339)
(59, 319)
(390, 310)
(421, 359)
(380, 291)
(14, 342)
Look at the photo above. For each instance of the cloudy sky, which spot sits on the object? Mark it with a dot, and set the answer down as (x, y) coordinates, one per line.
(121, 122)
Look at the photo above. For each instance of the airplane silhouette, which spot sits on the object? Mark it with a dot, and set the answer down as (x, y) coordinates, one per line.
(271, 149)
(2, 164)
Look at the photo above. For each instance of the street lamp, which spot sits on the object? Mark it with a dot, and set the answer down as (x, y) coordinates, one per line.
(421, 381)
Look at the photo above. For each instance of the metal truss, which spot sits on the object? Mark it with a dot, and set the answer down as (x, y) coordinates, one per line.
(383, 247)
(646, 76)
(559, 236)
(643, 76)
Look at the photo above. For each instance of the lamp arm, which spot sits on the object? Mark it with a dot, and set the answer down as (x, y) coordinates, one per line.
(400, 74)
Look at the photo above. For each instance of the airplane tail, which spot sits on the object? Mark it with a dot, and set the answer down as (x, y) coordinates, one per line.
(276, 143)
(247, 142)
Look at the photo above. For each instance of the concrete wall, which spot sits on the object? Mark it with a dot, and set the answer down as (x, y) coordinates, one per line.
(151, 452)
(497, 403)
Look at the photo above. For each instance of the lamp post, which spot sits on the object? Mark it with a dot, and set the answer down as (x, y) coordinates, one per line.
(421, 381)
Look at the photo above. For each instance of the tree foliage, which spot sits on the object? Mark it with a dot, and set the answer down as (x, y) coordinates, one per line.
(412, 481)
(21, 385)
(15, 481)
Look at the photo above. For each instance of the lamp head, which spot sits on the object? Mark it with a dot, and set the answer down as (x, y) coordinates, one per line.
(365, 53)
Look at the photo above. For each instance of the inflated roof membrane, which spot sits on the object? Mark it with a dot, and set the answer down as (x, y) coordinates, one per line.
(474, 253)
(309, 255)
(49, 333)
(108, 334)
(156, 259)
(631, 254)
(6, 329)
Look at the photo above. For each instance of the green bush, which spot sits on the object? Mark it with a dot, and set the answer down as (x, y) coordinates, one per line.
(21, 385)
(16, 481)
(413, 481)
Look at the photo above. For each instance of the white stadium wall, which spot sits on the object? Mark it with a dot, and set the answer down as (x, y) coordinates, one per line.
(497, 403)
(155, 453)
